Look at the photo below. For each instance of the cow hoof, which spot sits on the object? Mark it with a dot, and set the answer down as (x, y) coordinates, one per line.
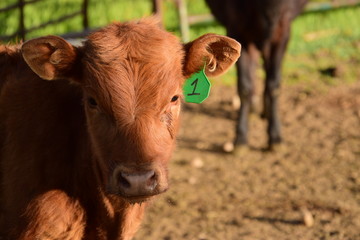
(241, 150)
(236, 150)
(276, 147)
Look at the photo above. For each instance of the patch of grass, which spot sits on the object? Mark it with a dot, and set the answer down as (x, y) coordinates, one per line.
(335, 30)
(101, 12)
(319, 40)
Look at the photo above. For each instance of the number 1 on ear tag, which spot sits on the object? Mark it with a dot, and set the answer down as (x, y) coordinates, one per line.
(197, 88)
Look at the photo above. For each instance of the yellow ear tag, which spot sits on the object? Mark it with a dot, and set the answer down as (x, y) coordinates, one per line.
(197, 88)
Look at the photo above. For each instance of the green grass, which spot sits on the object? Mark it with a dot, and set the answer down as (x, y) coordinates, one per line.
(335, 29)
(323, 40)
(101, 12)
(319, 40)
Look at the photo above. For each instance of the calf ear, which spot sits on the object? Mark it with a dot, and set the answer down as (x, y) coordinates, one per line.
(217, 53)
(49, 57)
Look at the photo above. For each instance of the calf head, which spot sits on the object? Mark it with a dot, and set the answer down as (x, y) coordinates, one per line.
(131, 75)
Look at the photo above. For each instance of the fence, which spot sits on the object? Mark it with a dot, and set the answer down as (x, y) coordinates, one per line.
(185, 19)
(22, 30)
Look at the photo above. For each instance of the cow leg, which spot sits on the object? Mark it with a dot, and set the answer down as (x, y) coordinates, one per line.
(246, 88)
(273, 55)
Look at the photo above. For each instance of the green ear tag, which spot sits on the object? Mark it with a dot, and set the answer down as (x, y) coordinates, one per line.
(197, 88)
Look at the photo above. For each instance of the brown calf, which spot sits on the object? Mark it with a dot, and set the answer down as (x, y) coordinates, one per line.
(81, 151)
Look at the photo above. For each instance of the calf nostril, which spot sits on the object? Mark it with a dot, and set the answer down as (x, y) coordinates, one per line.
(122, 179)
(152, 180)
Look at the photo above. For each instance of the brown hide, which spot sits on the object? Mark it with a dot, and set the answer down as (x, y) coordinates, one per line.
(82, 153)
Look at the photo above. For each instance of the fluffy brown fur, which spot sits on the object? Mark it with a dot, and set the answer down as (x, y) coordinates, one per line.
(73, 147)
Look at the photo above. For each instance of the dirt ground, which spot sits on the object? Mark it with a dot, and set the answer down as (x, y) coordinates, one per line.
(313, 179)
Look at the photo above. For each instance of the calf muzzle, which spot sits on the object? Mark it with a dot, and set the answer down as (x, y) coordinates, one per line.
(137, 184)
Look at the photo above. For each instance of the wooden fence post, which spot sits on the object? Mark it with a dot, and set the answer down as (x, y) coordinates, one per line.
(84, 9)
(21, 20)
(158, 10)
(184, 22)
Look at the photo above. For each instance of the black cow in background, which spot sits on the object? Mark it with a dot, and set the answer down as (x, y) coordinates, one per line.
(260, 26)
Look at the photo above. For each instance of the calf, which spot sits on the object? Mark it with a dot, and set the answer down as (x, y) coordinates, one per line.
(86, 132)
(260, 25)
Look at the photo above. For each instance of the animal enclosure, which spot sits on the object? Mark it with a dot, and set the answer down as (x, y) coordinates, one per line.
(308, 190)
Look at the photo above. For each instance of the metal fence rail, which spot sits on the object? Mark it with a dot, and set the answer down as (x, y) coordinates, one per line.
(22, 30)
(185, 19)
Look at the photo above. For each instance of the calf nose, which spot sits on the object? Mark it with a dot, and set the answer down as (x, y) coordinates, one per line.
(137, 184)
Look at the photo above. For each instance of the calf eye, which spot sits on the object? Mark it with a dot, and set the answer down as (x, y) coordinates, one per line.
(175, 98)
(92, 102)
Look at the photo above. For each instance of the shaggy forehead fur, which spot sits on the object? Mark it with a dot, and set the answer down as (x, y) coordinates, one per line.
(135, 63)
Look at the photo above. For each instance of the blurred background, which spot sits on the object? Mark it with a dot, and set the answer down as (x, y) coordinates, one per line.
(326, 26)
(310, 189)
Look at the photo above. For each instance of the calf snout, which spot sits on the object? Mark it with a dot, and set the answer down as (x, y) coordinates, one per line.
(137, 184)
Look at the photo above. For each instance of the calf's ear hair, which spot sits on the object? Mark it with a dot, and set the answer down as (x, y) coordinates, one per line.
(217, 53)
(50, 57)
